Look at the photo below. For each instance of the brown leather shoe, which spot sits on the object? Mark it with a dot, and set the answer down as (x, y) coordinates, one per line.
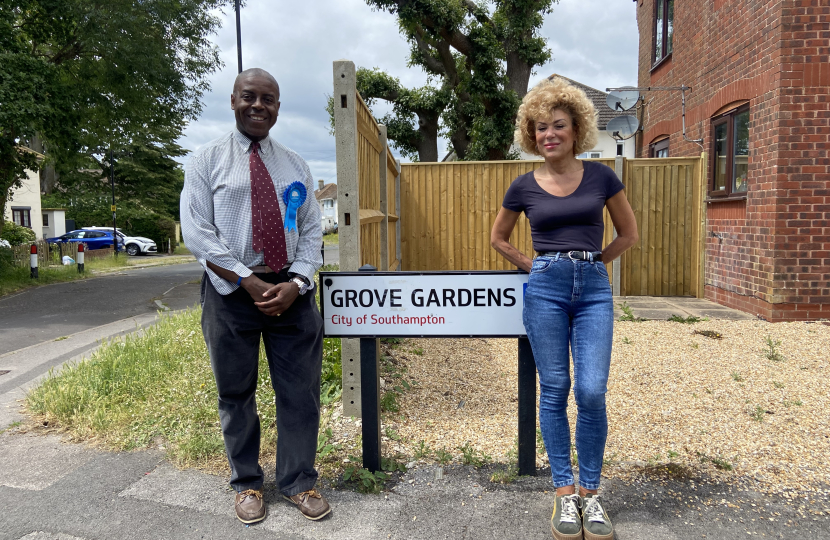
(311, 503)
(249, 506)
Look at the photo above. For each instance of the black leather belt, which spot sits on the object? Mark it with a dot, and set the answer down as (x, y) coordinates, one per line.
(590, 256)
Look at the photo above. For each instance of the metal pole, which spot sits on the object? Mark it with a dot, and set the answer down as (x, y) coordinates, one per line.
(112, 184)
(370, 400)
(527, 409)
(238, 36)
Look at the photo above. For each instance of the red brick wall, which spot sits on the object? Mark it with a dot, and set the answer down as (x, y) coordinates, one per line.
(770, 253)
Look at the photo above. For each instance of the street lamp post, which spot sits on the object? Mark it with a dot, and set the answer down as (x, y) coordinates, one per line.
(238, 36)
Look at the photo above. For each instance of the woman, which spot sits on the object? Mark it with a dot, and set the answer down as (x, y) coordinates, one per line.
(568, 299)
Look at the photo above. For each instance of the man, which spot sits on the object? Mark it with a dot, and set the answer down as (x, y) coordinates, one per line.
(249, 216)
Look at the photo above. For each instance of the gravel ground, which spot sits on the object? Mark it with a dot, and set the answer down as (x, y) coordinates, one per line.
(677, 401)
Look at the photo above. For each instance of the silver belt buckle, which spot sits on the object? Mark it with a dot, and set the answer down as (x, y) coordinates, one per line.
(571, 256)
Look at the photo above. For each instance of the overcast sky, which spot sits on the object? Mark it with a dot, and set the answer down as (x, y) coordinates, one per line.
(592, 41)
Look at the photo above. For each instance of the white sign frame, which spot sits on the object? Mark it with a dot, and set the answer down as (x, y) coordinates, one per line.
(423, 304)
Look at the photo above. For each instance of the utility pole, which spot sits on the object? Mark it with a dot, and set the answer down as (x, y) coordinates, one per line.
(238, 36)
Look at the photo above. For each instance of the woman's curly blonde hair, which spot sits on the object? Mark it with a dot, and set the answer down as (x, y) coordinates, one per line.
(539, 104)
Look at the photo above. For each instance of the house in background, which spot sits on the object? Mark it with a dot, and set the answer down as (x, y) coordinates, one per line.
(760, 103)
(606, 146)
(54, 222)
(23, 206)
(326, 197)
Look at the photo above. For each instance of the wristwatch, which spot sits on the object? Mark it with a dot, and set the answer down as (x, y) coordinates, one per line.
(301, 284)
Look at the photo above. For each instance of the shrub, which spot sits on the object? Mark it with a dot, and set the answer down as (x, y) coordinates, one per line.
(17, 234)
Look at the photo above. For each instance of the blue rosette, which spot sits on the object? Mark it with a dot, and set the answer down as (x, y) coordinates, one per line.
(294, 196)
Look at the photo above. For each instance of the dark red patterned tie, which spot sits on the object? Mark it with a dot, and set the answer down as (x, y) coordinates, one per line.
(266, 218)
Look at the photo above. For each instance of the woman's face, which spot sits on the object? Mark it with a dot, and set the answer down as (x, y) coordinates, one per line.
(555, 136)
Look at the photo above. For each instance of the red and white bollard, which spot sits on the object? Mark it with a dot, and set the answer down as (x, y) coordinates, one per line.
(80, 260)
(33, 261)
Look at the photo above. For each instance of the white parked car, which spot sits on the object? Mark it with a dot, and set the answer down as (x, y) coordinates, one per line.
(133, 245)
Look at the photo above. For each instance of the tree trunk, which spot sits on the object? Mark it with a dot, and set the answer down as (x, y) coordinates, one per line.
(518, 74)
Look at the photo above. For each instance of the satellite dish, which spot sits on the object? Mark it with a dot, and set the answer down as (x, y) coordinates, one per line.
(622, 100)
(623, 127)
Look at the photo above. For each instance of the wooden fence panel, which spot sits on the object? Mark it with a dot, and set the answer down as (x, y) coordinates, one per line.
(368, 148)
(448, 210)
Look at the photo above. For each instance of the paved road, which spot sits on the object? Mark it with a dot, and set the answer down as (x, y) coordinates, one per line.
(52, 311)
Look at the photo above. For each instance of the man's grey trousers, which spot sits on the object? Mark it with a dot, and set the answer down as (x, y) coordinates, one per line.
(232, 326)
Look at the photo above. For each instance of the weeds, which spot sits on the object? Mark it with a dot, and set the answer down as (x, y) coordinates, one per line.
(389, 402)
(540, 442)
(719, 462)
(628, 313)
(364, 480)
(508, 473)
(417, 350)
(758, 413)
(772, 352)
(796, 402)
(736, 376)
(324, 447)
(672, 454)
(471, 456)
(777, 384)
(422, 450)
(443, 456)
(626, 341)
(709, 333)
(691, 319)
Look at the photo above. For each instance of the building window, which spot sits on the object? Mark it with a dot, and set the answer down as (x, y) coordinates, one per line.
(620, 149)
(663, 29)
(22, 216)
(45, 220)
(590, 155)
(730, 153)
(659, 149)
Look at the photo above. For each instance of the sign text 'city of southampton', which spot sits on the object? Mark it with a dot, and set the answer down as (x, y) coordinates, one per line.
(435, 304)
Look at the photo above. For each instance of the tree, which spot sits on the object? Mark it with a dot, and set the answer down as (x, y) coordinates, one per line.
(85, 76)
(483, 57)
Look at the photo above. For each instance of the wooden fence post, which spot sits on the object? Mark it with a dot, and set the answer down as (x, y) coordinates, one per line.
(616, 270)
(398, 213)
(348, 203)
(384, 195)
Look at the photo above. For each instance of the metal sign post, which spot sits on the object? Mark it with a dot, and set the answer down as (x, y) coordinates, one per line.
(368, 305)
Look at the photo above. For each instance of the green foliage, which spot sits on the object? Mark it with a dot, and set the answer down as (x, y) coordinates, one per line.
(324, 447)
(628, 313)
(472, 456)
(479, 57)
(758, 413)
(422, 450)
(772, 351)
(508, 473)
(389, 402)
(332, 378)
(364, 480)
(16, 234)
(83, 76)
(443, 456)
(719, 461)
(736, 376)
(685, 320)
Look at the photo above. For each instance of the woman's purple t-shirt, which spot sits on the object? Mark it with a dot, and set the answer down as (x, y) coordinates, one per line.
(572, 223)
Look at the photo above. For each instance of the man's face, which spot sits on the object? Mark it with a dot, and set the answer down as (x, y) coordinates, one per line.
(255, 102)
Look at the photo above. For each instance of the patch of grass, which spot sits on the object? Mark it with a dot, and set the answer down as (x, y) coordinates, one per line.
(626, 341)
(628, 313)
(672, 454)
(417, 350)
(157, 388)
(61, 338)
(391, 340)
(736, 376)
(695, 346)
(332, 239)
(11, 426)
(709, 333)
(443, 456)
(472, 456)
(773, 352)
(796, 402)
(181, 249)
(324, 447)
(393, 464)
(574, 456)
(15, 278)
(691, 319)
(392, 434)
(778, 384)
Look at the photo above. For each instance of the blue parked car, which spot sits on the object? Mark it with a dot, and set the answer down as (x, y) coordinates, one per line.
(92, 239)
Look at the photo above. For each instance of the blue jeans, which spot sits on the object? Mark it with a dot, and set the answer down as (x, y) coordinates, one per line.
(568, 303)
